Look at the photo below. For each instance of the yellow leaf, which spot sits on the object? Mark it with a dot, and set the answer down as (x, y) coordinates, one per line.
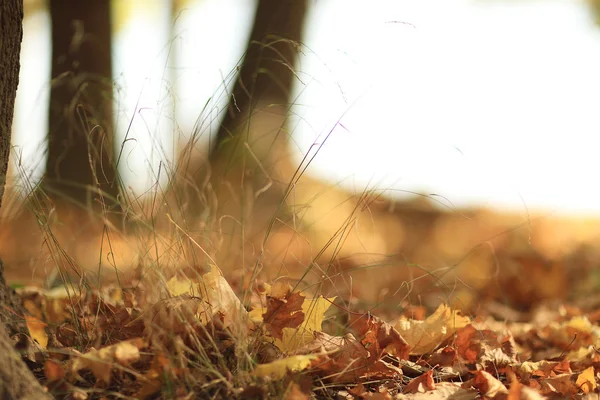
(177, 286)
(256, 315)
(37, 330)
(425, 336)
(101, 362)
(216, 292)
(278, 369)
(586, 380)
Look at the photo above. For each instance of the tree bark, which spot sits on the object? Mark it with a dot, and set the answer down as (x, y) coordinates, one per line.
(267, 72)
(80, 152)
(253, 132)
(16, 381)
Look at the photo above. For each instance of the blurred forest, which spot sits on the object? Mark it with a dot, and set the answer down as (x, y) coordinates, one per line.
(246, 205)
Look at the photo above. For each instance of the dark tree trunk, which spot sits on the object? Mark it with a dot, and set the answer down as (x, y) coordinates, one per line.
(16, 381)
(246, 179)
(80, 162)
(267, 72)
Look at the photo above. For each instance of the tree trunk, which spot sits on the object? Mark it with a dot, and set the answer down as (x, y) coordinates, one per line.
(16, 381)
(253, 134)
(267, 73)
(80, 165)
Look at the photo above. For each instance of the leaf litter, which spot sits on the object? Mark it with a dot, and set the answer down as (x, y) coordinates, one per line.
(196, 339)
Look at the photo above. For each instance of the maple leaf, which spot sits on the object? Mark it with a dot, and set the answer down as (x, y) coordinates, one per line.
(345, 359)
(425, 336)
(482, 347)
(284, 310)
(377, 335)
(314, 314)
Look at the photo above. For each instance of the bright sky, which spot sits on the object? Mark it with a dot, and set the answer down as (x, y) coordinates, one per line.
(483, 102)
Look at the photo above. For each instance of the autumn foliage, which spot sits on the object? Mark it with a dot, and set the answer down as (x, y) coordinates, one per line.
(190, 337)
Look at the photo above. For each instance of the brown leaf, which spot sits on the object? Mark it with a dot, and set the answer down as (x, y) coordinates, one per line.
(298, 390)
(487, 385)
(283, 312)
(482, 347)
(354, 363)
(53, 371)
(443, 357)
(420, 384)
(377, 335)
(560, 384)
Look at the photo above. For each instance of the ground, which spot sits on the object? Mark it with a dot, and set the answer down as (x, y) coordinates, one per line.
(411, 301)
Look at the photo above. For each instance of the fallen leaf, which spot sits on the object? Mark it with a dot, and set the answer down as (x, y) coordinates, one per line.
(283, 312)
(420, 384)
(486, 384)
(562, 385)
(218, 296)
(53, 371)
(37, 330)
(102, 361)
(177, 286)
(377, 336)
(425, 336)
(443, 391)
(297, 391)
(587, 380)
(314, 313)
(278, 369)
(349, 361)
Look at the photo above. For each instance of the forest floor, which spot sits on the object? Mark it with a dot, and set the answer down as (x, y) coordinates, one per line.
(466, 304)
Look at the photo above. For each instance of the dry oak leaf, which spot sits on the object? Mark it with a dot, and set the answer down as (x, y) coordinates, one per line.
(425, 336)
(378, 336)
(102, 361)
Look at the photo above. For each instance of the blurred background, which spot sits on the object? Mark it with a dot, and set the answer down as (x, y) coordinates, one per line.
(482, 102)
(473, 122)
